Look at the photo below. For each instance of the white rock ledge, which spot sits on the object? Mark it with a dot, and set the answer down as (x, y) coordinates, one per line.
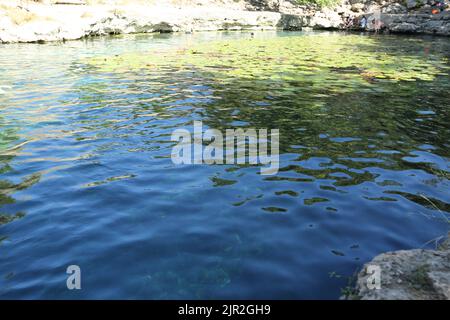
(46, 22)
(53, 23)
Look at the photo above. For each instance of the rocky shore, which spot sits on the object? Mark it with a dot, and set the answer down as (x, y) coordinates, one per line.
(29, 21)
(408, 275)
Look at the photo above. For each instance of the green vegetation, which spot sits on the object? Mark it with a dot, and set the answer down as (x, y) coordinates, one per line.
(335, 63)
(349, 291)
(320, 3)
(419, 278)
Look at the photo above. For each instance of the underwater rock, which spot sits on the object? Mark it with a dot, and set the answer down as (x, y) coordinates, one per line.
(404, 27)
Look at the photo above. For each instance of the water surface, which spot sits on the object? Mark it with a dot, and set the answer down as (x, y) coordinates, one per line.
(86, 176)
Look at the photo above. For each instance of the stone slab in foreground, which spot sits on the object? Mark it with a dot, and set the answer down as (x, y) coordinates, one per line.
(408, 275)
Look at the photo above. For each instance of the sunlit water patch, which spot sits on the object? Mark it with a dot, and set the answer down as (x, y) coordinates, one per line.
(87, 179)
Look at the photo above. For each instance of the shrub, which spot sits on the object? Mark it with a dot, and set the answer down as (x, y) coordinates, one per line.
(319, 3)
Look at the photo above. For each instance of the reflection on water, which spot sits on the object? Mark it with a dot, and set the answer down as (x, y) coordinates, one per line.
(85, 162)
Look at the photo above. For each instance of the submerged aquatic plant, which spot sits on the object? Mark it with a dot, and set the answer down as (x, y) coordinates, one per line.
(335, 63)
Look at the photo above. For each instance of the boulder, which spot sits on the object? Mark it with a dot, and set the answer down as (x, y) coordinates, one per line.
(407, 275)
(357, 7)
(410, 4)
(394, 8)
(404, 27)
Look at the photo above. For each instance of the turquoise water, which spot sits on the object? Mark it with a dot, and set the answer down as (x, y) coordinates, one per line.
(86, 176)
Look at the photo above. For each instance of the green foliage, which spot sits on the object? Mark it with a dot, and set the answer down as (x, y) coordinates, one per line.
(419, 278)
(320, 3)
(349, 291)
(333, 62)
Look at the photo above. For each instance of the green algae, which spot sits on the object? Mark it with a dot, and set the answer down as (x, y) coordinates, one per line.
(334, 62)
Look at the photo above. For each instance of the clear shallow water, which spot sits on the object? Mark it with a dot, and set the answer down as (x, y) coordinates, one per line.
(85, 176)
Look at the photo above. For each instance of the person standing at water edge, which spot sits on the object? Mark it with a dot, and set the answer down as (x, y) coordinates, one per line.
(363, 22)
(376, 22)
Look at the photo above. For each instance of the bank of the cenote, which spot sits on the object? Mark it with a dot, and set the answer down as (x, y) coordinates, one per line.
(52, 20)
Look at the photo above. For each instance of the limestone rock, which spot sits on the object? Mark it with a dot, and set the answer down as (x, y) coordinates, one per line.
(411, 4)
(394, 8)
(67, 22)
(404, 27)
(409, 275)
